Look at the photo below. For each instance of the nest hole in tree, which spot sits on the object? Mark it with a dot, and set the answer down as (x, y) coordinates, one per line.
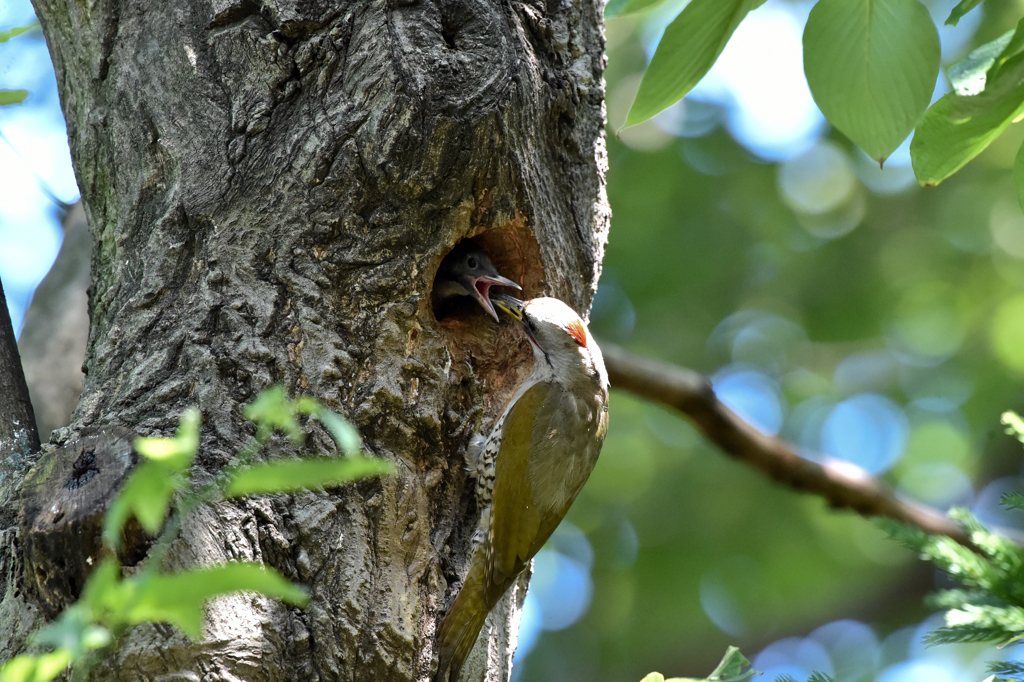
(498, 352)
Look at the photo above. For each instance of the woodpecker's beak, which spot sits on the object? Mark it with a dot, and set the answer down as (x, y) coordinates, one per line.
(480, 290)
(512, 306)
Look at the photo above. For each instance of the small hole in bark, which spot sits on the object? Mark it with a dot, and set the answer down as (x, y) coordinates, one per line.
(448, 32)
(565, 124)
(494, 357)
(82, 470)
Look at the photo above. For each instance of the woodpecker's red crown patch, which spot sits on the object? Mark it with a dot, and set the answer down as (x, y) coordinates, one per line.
(578, 332)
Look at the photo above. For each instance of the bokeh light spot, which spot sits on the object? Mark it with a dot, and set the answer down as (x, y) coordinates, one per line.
(720, 607)
(758, 338)
(805, 424)
(988, 509)
(940, 485)
(562, 587)
(937, 441)
(930, 329)
(1007, 224)
(794, 656)
(896, 176)
(938, 389)
(529, 627)
(760, 75)
(852, 646)
(612, 314)
(818, 181)
(868, 430)
(864, 372)
(752, 395)
(1008, 333)
(918, 670)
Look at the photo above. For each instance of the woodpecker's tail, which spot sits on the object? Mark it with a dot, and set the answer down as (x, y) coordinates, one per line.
(459, 629)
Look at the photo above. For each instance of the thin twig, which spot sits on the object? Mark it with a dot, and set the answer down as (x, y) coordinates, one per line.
(842, 486)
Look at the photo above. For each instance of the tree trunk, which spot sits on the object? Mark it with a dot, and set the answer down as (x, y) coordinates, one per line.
(271, 187)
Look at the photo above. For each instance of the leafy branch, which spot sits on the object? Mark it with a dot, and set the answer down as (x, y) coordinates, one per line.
(871, 66)
(160, 493)
(9, 97)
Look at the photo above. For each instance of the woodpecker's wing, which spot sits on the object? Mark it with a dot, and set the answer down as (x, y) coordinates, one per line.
(519, 526)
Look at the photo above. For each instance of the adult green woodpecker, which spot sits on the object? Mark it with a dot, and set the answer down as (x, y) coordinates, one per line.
(467, 271)
(536, 459)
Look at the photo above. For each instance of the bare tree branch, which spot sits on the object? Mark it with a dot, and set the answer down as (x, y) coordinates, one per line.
(843, 487)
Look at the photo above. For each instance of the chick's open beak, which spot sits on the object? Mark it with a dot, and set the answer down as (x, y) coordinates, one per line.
(481, 290)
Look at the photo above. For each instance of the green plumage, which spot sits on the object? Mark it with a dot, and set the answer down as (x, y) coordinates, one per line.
(547, 452)
(546, 444)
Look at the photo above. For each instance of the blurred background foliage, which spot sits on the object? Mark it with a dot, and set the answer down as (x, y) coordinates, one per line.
(832, 302)
(835, 303)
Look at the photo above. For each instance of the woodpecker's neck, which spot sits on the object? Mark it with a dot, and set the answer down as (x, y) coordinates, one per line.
(578, 369)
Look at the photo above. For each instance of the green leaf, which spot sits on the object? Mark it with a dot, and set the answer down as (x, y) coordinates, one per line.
(290, 475)
(147, 496)
(1013, 422)
(872, 66)
(688, 49)
(8, 97)
(1012, 500)
(962, 8)
(103, 582)
(820, 677)
(956, 129)
(968, 75)
(344, 434)
(733, 667)
(176, 453)
(618, 8)
(147, 492)
(38, 668)
(74, 632)
(272, 410)
(178, 598)
(1007, 668)
(1012, 47)
(17, 31)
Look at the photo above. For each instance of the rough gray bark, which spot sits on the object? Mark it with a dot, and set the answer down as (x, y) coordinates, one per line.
(271, 187)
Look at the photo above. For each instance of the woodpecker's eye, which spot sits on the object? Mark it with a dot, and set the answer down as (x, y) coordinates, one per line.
(472, 262)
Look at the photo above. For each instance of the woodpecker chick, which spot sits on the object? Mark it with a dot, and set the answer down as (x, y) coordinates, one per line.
(467, 271)
(535, 461)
